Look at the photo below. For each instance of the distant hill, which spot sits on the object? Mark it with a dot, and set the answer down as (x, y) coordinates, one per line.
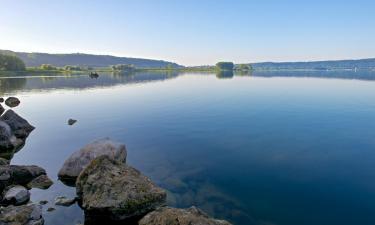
(317, 65)
(78, 59)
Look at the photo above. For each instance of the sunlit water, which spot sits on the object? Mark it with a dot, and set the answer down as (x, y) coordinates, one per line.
(266, 149)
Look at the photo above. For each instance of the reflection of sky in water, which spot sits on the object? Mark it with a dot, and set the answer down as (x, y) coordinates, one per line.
(255, 150)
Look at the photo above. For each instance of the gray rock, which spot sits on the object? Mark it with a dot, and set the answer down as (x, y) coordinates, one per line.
(71, 122)
(1, 109)
(43, 202)
(18, 125)
(110, 188)
(173, 216)
(64, 201)
(18, 175)
(41, 182)
(1, 100)
(12, 102)
(8, 142)
(30, 214)
(50, 209)
(80, 159)
(16, 195)
(4, 162)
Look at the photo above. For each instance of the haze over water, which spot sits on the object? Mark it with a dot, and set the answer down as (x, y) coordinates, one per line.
(262, 149)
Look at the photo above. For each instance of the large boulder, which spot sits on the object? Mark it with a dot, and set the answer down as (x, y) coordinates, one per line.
(30, 214)
(108, 188)
(80, 159)
(18, 125)
(16, 195)
(173, 216)
(12, 102)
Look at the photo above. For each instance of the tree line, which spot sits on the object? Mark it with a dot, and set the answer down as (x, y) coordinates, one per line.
(11, 63)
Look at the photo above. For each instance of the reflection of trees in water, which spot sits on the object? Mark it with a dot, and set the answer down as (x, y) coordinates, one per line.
(340, 74)
(224, 74)
(11, 84)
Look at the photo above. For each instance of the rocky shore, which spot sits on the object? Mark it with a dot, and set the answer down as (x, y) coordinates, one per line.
(107, 188)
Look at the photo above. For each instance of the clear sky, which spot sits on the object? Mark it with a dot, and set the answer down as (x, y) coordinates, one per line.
(193, 32)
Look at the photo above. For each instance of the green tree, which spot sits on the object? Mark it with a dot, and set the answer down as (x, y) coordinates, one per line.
(11, 63)
(123, 67)
(225, 66)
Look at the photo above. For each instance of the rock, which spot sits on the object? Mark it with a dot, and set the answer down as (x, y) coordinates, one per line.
(43, 202)
(50, 209)
(71, 122)
(4, 162)
(64, 201)
(80, 159)
(18, 175)
(16, 195)
(8, 142)
(12, 102)
(18, 125)
(173, 216)
(1, 109)
(41, 182)
(30, 214)
(1, 100)
(110, 188)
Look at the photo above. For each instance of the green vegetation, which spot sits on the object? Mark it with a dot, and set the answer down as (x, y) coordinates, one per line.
(123, 68)
(243, 67)
(47, 67)
(11, 63)
(224, 66)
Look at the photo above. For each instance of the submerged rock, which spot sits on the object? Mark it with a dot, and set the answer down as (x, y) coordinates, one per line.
(12, 102)
(110, 188)
(16, 195)
(64, 201)
(71, 122)
(80, 159)
(173, 216)
(30, 214)
(41, 182)
(50, 209)
(18, 125)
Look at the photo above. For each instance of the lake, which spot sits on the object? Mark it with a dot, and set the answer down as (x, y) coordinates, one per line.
(272, 148)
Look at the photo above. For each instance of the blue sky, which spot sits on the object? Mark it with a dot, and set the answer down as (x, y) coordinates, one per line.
(193, 32)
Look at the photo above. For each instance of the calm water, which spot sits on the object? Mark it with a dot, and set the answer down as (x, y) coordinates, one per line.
(267, 149)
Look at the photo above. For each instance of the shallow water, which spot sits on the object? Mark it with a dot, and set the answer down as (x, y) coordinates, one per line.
(271, 148)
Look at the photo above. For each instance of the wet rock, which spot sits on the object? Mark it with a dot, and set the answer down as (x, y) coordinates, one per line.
(50, 209)
(16, 195)
(18, 125)
(18, 175)
(110, 188)
(71, 122)
(1, 100)
(1, 109)
(41, 182)
(80, 159)
(12, 102)
(30, 214)
(64, 201)
(173, 216)
(43, 202)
